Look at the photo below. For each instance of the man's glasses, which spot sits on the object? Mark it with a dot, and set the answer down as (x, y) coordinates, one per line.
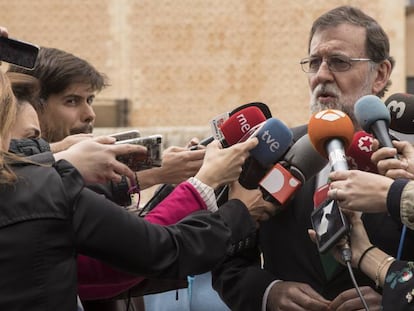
(336, 63)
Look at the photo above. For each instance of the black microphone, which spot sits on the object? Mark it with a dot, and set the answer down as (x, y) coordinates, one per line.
(299, 164)
(401, 108)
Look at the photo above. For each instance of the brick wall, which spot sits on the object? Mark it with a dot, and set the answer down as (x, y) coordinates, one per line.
(182, 62)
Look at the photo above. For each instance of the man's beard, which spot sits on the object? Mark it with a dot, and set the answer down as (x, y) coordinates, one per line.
(339, 102)
(53, 135)
(86, 129)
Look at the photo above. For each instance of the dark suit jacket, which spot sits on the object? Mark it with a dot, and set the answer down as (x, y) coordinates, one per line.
(290, 255)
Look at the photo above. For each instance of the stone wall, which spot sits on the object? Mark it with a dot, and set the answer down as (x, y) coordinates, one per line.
(182, 62)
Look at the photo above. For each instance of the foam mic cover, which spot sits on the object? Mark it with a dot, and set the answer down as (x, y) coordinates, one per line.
(401, 108)
(327, 125)
(374, 117)
(274, 139)
(359, 153)
(240, 123)
(303, 160)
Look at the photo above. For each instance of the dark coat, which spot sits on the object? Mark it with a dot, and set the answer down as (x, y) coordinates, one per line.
(290, 255)
(48, 217)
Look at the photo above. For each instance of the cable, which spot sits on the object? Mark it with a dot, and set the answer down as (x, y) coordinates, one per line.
(401, 245)
(128, 302)
(351, 273)
(221, 194)
(346, 254)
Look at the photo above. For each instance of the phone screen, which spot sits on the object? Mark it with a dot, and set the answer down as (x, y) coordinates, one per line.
(329, 224)
(135, 161)
(18, 52)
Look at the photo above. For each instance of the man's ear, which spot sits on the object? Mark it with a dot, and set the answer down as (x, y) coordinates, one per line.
(383, 71)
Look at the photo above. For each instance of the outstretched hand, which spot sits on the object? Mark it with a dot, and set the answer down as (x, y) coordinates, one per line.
(222, 166)
(359, 191)
(69, 141)
(358, 239)
(259, 209)
(388, 165)
(96, 159)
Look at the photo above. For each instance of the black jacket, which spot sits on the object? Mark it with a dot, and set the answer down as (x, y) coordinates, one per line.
(48, 217)
(290, 255)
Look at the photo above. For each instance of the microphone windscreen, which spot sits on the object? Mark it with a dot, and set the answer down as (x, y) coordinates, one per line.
(304, 161)
(240, 123)
(329, 124)
(359, 153)
(370, 109)
(401, 108)
(263, 107)
(274, 139)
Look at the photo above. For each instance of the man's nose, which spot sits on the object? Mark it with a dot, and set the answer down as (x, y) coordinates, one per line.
(88, 114)
(324, 73)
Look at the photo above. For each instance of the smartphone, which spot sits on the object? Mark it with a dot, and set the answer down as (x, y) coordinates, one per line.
(18, 52)
(135, 161)
(330, 225)
(126, 135)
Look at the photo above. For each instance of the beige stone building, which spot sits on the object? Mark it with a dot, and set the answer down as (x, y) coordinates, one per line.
(175, 64)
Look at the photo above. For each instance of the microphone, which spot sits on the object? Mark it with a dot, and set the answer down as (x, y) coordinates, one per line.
(374, 117)
(299, 164)
(401, 108)
(240, 123)
(331, 132)
(203, 142)
(359, 153)
(242, 120)
(218, 121)
(274, 139)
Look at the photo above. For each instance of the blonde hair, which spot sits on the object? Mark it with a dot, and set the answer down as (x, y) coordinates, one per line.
(8, 111)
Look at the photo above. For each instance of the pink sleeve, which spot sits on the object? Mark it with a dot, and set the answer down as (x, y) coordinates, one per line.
(183, 201)
(97, 280)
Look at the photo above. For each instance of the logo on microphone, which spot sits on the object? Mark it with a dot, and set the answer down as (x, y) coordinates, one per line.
(365, 143)
(244, 125)
(280, 183)
(330, 115)
(252, 132)
(396, 107)
(270, 141)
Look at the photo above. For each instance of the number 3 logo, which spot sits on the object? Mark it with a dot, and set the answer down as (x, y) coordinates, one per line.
(397, 107)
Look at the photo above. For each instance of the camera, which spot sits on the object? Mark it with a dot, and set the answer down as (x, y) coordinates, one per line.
(135, 161)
